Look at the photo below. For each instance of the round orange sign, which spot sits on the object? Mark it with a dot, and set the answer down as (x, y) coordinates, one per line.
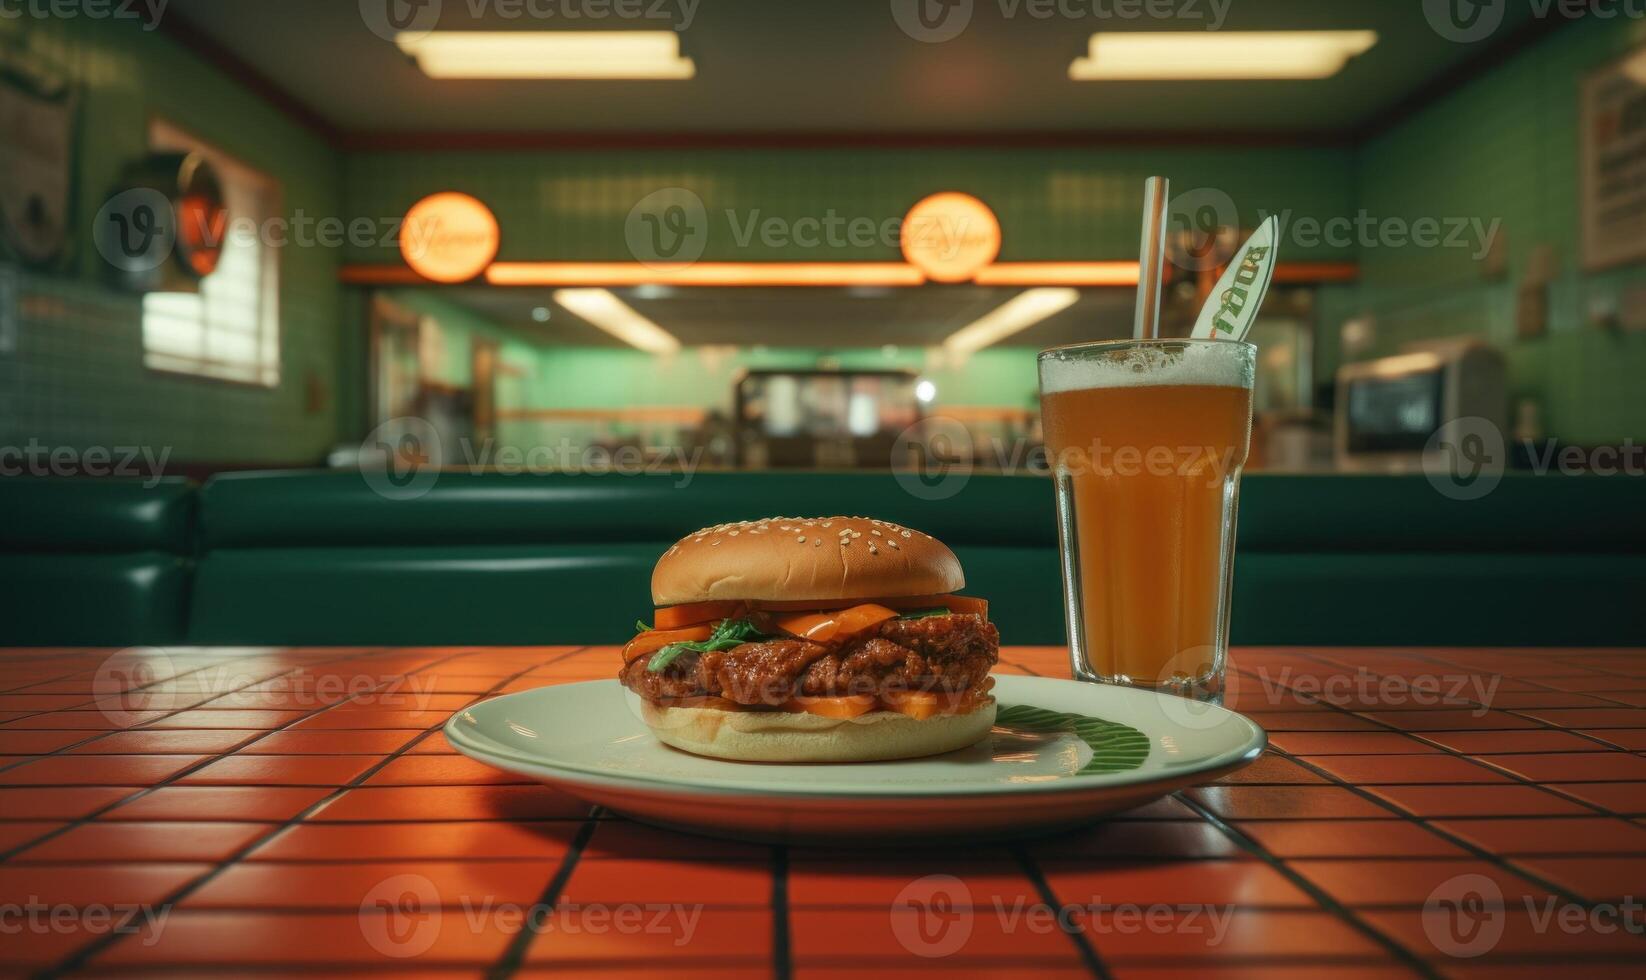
(950, 236)
(449, 237)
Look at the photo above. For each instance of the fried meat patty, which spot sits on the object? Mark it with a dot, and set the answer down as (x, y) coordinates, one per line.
(937, 653)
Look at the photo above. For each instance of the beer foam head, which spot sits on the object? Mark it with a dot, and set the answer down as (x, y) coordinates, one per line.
(1127, 365)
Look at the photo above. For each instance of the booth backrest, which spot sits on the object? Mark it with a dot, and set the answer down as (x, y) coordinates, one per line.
(94, 562)
(327, 558)
(332, 558)
(565, 559)
(1390, 560)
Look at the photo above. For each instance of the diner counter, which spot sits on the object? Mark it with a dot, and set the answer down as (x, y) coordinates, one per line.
(1420, 811)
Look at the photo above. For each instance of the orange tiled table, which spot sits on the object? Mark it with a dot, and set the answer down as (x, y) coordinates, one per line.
(297, 810)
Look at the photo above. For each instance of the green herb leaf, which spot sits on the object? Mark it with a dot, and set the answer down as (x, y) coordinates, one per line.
(641, 627)
(668, 655)
(925, 613)
(730, 633)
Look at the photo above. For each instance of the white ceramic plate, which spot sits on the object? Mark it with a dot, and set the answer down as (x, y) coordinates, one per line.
(1062, 753)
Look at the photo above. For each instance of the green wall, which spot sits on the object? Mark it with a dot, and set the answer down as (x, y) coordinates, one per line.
(1506, 147)
(77, 377)
(1503, 146)
(1052, 203)
(458, 328)
(605, 377)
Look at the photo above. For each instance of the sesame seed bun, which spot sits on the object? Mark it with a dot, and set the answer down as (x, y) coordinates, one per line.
(790, 558)
(778, 736)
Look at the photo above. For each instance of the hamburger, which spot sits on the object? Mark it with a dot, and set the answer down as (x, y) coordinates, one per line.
(828, 639)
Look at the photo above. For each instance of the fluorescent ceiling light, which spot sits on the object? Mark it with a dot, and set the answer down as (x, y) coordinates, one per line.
(1016, 314)
(1156, 56)
(603, 309)
(548, 54)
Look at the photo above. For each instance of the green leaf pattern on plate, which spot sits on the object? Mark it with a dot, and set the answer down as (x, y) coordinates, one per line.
(1115, 747)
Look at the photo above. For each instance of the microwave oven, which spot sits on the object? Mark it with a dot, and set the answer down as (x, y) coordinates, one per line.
(1388, 410)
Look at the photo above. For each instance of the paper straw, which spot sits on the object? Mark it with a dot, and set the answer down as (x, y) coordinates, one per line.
(1152, 256)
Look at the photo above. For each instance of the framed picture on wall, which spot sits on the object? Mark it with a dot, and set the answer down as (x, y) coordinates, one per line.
(1613, 162)
(37, 144)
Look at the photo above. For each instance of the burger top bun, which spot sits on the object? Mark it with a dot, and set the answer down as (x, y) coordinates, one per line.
(792, 558)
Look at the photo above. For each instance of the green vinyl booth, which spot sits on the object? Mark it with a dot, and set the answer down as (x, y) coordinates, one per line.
(95, 562)
(324, 558)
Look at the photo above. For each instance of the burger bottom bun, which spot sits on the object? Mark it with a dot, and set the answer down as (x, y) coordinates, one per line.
(783, 736)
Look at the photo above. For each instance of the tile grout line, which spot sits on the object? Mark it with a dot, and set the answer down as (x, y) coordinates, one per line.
(1322, 898)
(1083, 943)
(1515, 777)
(34, 658)
(206, 759)
(142, 726)
(1514, 712)
(92, 699)
(782, 929)
(514, 953)
(1412, 818)
(1424, 822)
(1481, 763)
(79, 957)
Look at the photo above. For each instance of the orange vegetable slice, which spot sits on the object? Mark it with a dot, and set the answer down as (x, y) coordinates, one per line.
(821, 627)
(692, 613)
(652, 641)
(918, 705)
(847, 706)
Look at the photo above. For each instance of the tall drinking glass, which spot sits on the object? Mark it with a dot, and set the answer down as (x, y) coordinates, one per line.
(1146, 439)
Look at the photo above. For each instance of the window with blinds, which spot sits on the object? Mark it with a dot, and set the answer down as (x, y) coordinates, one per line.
(230, 329)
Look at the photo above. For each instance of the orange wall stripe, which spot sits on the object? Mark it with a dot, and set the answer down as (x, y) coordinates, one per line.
(1058, 274)
(1295, 272)
(704, 274)
(811, 274)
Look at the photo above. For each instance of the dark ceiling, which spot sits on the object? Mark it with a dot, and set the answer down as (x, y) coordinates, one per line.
(774, 66)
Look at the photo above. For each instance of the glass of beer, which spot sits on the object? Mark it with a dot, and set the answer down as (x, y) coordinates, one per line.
(1146, 440)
